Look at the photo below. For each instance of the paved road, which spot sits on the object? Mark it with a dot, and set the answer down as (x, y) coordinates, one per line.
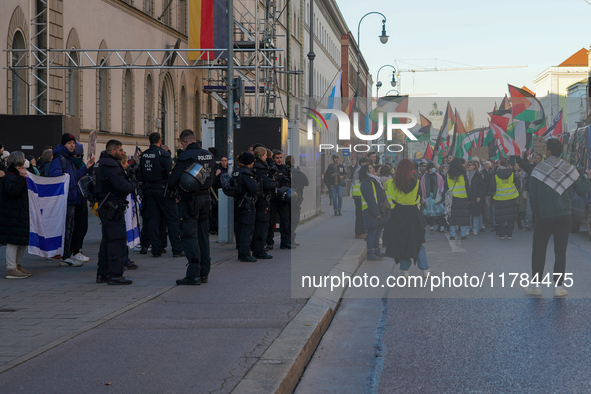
(484, 340)
(151, 337)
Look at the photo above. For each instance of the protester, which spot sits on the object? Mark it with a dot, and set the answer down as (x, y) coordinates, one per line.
(503, 188)
(476, 189)
(552, 187)
(459, 210)
(404, 233)
(375, 209)
(32, 165)
(81, 214)
(62, 164)
(487, 206)
(432, 185)
(46, 159)
(14, 215)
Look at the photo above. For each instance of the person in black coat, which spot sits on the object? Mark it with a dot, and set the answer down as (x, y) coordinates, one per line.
(247, 191)
(14, 215)
(460, 206)
(263, 214)
(476, 190)
(506, 200)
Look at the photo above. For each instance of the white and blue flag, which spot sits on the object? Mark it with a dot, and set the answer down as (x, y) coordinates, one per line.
(334, 95)
(48, 206)
(131, 223)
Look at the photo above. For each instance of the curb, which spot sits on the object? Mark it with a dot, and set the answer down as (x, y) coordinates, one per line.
(281, 366)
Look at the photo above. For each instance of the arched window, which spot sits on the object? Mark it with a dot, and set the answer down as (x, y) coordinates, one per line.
(19, 87)
(103, 106)
(74, 85)
(183, 109)
(149, 105)
(128, 102)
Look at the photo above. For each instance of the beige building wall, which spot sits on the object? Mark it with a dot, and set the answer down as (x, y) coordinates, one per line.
(112, 24)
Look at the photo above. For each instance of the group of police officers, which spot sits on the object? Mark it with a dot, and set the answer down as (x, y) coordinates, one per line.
(180, 197)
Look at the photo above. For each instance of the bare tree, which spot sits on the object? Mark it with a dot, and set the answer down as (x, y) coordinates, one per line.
(469, 124)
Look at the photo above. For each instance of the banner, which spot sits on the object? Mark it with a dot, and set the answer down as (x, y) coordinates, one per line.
(48, 206)
(208, 28)
(131, 223)
(334, 93)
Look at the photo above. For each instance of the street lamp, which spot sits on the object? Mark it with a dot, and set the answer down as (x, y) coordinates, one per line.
(393, 90)
(383, 40)
(392, 82)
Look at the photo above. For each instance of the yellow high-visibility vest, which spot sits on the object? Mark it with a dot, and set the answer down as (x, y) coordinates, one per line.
(364, 205)
(389, 188)
(356, 188)
(411, 198)
(458, 188)
(506, 189)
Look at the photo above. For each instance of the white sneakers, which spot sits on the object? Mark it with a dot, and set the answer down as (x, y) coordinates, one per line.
(80, 257)
(404, 273)
(70, 262)
(426, 273)
(559, 291)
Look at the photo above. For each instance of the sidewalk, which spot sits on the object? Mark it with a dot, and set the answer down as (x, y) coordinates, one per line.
(151, 336)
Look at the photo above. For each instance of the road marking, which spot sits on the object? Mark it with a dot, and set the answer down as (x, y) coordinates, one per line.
(455, 245)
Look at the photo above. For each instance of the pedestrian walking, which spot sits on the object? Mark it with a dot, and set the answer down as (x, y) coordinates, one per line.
(504, 189)
(375, 207)
(335, 174)
(458, 206)
(476, 190)
(552, 187)
(432, 186)
(14, 215)
(404, 233)
(194, 206)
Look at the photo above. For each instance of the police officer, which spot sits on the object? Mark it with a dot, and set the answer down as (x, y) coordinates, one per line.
(268, 187)
(194, 208)
(247, 191)
(112, 186)
(155, 166)
(278, 206)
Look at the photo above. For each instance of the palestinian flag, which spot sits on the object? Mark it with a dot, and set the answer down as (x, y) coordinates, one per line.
(527, 107)
(470, 140)
(507, 143)
(390, 104)
(518, 132)
(424, 133)
(428, 152)
(556, 129)
(458, 138)
(208, 28)
(489, 137)
(448, 123)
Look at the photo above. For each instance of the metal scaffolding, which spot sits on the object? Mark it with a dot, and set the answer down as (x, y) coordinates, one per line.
(38, 69)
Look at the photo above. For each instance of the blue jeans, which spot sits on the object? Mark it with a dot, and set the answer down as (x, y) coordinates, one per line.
(463, 230)
(476, 223)
(421, 261)
(373, 238)
(337, 196)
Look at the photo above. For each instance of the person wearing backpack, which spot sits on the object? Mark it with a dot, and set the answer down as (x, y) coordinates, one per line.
(62, 164)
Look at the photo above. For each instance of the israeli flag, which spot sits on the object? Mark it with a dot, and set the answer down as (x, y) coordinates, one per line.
(48, 206)
(132, 223)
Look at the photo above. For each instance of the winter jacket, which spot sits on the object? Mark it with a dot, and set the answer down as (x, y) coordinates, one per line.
(546, 203)
(14, 209)
(62, 164)
(370, 215)
(507, 210)
(477, 189)
(460, 207)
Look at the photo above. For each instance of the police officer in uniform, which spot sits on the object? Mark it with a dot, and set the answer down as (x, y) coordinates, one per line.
(155, 166)
(112, 186)
(278, 206)
(247, 192)
(263, 215)
(194, 208)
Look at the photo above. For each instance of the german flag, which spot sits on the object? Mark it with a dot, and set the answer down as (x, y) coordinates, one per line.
(208, 28)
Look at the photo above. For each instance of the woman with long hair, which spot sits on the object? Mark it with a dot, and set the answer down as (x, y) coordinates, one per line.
(404, 234)
(459, 214)
(375, 210)
(433, 201)
(477, 191)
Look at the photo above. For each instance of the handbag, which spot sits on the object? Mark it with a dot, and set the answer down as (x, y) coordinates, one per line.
(449, 195)
(384, 206)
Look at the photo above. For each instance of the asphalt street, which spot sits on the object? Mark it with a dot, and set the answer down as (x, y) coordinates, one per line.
(460, 340)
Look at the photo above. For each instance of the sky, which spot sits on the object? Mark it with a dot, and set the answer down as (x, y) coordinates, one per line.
(537, 34)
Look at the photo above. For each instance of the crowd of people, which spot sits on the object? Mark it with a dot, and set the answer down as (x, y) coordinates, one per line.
(399, 202)
(177, 198)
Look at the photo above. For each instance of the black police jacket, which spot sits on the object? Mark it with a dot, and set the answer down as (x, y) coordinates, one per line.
(283, 175)
(110, 177)
(194, 154)
(261, 170)
(247, 184)
(155, 166)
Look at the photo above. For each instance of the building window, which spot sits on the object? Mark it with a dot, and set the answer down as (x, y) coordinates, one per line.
(148, 7)
(183, 109)
(167, 12)
(128, 103)
(73, 85)
(183, 16)
(149, 105)
(103, 98)
(19, 88)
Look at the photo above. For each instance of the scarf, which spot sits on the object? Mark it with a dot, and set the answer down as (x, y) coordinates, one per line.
(556, 173)
(375, 177)
(470, 175)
